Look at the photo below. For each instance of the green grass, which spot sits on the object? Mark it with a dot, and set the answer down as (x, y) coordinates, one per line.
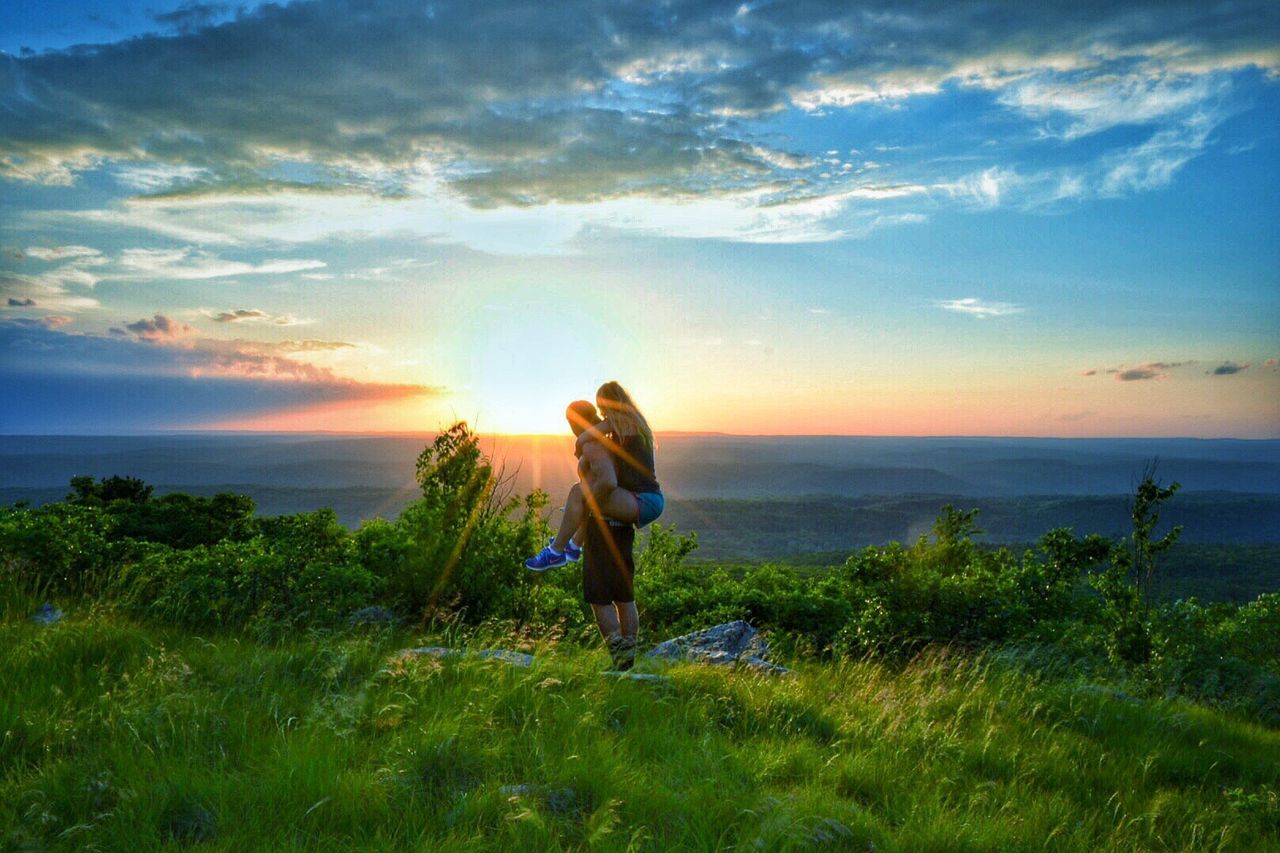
(117, 736)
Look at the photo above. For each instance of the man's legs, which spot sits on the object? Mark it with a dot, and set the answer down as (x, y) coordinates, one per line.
(628, 618)
(624, 652)
(607, 621)
(618, 623)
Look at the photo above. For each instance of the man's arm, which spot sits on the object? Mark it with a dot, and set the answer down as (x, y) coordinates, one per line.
(602, 477)
(595, 432)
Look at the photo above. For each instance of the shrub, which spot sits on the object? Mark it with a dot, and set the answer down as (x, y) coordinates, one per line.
(462, 544)
(302, 569)
(58, 549)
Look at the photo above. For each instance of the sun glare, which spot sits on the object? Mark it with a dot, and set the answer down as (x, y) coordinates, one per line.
(521, 386)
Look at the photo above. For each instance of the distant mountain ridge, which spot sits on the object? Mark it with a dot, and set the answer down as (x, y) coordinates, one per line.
(690, 467)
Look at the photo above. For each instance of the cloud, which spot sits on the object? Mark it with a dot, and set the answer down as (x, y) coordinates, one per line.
(1146, 370)
(1227, 368)
(512, 104)
(979, 308)
(159, 330)
(52, 380)
(1135, 374)
(51, 321)
(205, 356)
(158, 177)
(1152, 164)
(1270, 364)
(59, 253)
(191, 16)
(1092, 103)
(189, 264)
(982, 189)
(255, 315)
(50, 277)
(1090, 372)
(57, 277)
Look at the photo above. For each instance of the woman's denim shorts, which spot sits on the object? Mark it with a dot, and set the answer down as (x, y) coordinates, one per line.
(651, 505)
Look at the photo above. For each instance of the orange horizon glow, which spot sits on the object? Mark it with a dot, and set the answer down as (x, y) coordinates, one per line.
(354, 419)
(1076, 408)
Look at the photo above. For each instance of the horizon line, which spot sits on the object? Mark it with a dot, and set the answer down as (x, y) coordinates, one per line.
(660, 433)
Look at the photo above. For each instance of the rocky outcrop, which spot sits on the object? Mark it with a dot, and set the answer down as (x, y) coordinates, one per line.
(734, 644)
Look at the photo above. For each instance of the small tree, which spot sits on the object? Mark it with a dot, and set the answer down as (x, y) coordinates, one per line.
(1145, 512)
(466, 536)
(86, 492)
(1126, 586)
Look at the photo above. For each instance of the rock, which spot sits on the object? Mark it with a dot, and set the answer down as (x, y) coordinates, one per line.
(636, 676)
(191, 823)
(763, 667)
(562, 802)
(373, 616)
(513, 658)
(46, 614)
(516, 790)
(731, 644)
(431, 652)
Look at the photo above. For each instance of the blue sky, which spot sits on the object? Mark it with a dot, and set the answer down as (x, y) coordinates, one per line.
(858, 218)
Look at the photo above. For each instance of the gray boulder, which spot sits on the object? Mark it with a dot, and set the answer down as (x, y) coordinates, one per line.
(734, 644)
(373, 616)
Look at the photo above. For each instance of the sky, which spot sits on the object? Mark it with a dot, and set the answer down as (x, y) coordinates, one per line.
(861, 218)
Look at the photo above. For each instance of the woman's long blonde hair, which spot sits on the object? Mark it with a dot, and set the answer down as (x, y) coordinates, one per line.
(624, 418)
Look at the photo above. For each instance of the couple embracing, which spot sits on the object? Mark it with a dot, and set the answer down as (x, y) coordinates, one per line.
(616, 493)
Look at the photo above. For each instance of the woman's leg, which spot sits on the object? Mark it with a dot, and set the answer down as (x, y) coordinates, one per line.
(575, 515)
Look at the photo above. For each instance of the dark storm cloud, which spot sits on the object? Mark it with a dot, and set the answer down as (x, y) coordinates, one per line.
(529, 102)
(21, 303)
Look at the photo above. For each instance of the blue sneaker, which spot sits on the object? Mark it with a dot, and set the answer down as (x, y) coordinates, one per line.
(546, 559)
(572, 552)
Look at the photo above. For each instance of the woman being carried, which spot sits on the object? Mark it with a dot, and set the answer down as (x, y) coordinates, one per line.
(618, 492)
(615, 470)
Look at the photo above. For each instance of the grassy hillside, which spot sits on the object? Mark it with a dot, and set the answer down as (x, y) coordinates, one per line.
(948, 695)
(120, 736)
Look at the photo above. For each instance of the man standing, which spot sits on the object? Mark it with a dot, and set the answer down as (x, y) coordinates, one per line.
(607, 545)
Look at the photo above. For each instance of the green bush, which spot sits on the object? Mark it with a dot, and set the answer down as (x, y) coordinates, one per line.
(461, 545)
(59, 549)
(301, 569)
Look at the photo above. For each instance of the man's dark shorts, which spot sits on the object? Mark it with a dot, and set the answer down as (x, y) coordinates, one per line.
(608, 563)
